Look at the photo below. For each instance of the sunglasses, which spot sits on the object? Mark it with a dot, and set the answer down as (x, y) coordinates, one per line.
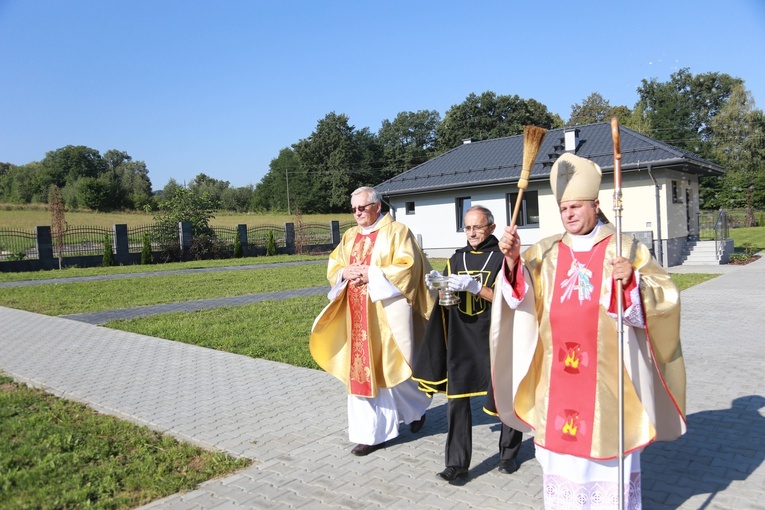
(361, 208)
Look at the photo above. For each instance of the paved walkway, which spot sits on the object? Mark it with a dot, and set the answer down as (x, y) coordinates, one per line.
(292, 423)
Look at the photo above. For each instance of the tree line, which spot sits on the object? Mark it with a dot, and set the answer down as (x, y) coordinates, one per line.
(710, 114)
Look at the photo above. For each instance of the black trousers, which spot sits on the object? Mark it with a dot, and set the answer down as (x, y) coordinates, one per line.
(459, 436)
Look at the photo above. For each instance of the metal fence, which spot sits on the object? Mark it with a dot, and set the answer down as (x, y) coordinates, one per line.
(136, 238)
(257, 236)
(77, 241)
(83, 246)
(17, 244)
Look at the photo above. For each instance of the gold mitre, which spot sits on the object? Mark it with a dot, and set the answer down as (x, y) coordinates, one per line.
(575, 178)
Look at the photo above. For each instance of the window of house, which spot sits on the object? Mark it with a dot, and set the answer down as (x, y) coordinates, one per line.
(676, 193)
(461, 206)
(409, 208)
(528, 215)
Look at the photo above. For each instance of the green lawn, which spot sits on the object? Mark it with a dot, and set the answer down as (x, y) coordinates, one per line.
(82, 297)
(152, 268)
(748, 236)
(56, 453)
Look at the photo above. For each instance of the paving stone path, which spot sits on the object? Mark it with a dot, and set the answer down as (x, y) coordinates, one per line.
(292, 421)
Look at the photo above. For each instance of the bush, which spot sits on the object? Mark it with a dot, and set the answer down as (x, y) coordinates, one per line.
(749, 249)
(739, 258)
(271, 246)
(171, 252)
(108, 252)
(238, 251)
(184, 205)
(208, 247)
(146, 256)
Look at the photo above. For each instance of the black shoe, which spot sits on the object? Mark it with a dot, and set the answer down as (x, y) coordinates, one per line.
(507, 467)
(365, 449)
(451, 473)
(416, 426)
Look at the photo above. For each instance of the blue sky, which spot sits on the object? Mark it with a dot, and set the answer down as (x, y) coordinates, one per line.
(220, 87)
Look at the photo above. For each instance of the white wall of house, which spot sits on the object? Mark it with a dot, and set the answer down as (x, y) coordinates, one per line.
(434, 219)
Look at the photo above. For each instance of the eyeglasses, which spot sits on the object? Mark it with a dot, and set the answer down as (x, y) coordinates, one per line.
(477, 228)
(361, 208)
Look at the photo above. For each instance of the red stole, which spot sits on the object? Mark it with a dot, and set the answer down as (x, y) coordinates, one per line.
(574, 317)
(361, 378)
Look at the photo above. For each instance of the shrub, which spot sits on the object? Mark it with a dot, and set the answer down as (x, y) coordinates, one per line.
(171, 252)
(238, 251)
(738, 258)
(271, 246)
(108, 252)
(208, 247)
(749, 249)
(146, 256)
(184, 205)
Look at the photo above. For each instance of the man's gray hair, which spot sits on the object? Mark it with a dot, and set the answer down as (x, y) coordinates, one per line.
(485, 211)
(372, 193)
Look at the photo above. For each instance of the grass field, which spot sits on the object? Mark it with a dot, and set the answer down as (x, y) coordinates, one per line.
(56, 453)
(748, 236)
(28, 219)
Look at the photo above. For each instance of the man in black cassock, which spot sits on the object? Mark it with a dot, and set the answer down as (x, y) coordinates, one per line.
(454, 357)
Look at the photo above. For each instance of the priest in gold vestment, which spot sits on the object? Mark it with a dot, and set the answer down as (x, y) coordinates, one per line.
(367, 335)
(555, 355)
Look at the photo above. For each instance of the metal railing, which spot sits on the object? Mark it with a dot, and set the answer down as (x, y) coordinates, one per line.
(715, 226)
(721, 232)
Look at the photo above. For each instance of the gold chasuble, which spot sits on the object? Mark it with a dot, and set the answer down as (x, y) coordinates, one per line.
(555, 357)
(370, 345)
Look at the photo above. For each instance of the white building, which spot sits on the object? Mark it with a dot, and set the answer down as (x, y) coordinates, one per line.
(660, 189)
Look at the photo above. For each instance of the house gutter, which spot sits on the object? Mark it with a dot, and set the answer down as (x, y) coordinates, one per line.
(657, 187)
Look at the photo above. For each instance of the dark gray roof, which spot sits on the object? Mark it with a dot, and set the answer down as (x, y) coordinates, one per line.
(499, 160)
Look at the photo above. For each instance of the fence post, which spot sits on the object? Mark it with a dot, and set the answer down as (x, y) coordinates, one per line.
(334, 229)
(121, 245)
(289, 237)
(184, 238)
(44, 247)
(242, 233)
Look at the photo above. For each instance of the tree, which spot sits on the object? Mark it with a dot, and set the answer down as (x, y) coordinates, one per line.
(333, 157)
(214, 188)
(739, 145)
(22, 183)
(237, 199)
(134, 185)
(184, 205)
(168, 191)
(95, 194)
(407, 141)
(285, 177)
(6, 180)
(595, 108)
(68, 164)
(491, 116)
(680, 111)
